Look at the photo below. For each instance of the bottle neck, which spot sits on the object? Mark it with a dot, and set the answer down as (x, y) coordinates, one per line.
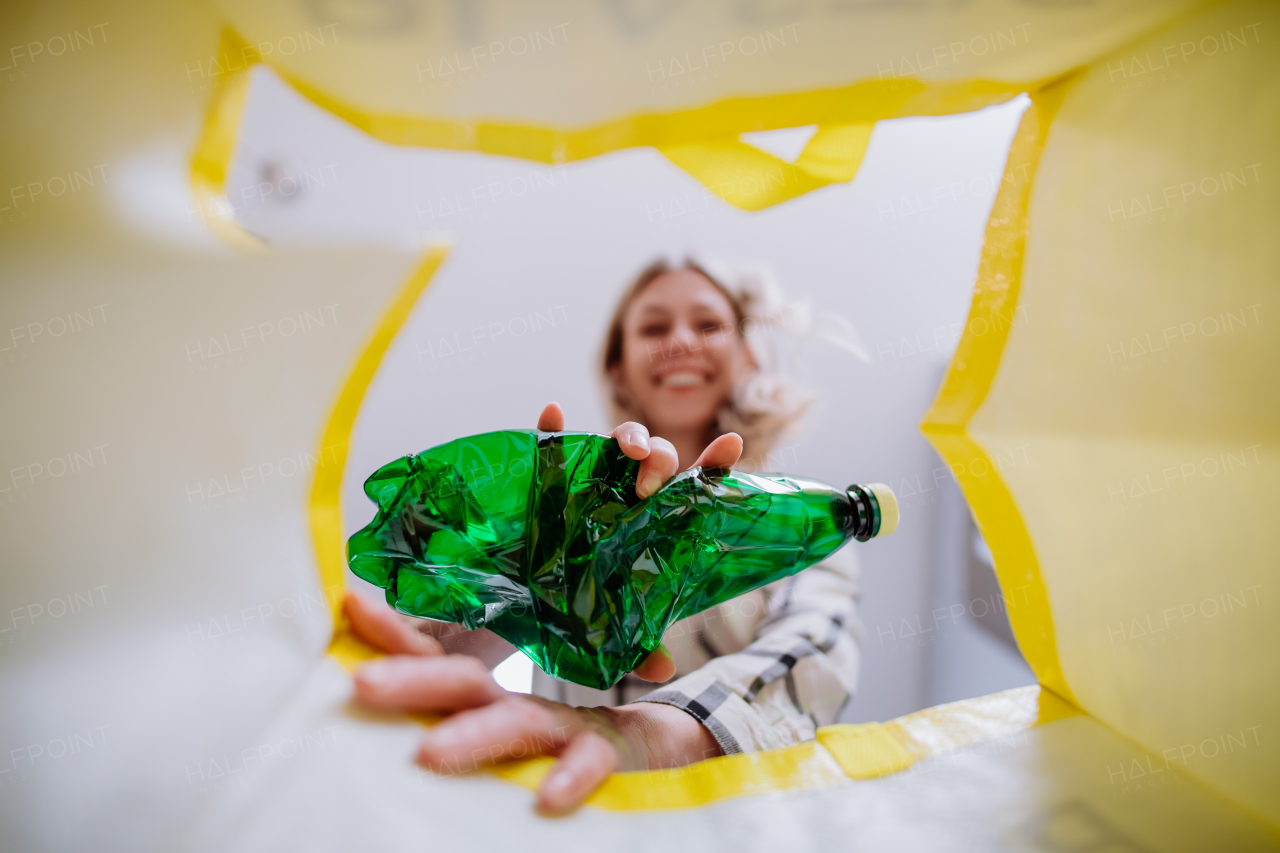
(864, 519)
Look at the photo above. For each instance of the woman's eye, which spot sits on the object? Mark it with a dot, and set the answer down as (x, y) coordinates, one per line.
(653, 330)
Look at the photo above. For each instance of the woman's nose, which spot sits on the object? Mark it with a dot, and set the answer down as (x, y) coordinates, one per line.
(684, 338)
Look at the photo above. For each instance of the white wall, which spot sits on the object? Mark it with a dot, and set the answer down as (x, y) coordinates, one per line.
(895, 252)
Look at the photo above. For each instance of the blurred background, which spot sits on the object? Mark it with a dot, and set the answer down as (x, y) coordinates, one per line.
(516, 318)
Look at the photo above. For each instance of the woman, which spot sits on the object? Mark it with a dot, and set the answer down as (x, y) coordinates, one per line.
(761, 671)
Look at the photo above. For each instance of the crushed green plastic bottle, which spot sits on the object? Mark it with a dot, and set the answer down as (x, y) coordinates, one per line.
(540, 538)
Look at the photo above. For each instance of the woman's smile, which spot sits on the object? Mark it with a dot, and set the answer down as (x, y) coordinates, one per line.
(683, 379)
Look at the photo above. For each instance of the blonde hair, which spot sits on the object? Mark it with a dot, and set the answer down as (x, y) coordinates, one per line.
(768, 403)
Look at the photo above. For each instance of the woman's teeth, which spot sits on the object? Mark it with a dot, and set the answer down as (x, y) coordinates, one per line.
(682, 380)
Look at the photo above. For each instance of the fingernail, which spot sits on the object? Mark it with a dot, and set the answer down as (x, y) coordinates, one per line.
(440, 738)
(639, 439)
(557, 783)
(375, 674)
(648, 484)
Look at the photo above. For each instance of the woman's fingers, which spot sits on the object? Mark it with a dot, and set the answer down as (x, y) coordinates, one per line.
(583, 766)
(382, 628)
(633, 438)
(659, 666)
(659, 466)
(512, 728)
(447, 683)
(722, 453)
(552, 418)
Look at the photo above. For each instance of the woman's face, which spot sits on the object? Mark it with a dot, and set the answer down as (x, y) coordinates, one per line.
(681, 354)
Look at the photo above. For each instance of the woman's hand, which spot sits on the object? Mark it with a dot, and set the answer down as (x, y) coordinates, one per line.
(658, 459)
(488, 724)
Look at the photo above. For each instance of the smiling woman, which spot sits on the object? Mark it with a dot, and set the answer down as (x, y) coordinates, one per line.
(693, 371)
(682, 360)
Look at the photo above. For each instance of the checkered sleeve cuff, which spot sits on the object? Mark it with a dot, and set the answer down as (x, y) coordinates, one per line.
(736, 725)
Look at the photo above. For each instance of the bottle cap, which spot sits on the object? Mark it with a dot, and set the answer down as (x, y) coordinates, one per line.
(888, 508)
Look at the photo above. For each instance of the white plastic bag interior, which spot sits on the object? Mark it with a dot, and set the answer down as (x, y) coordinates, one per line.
(127, 723)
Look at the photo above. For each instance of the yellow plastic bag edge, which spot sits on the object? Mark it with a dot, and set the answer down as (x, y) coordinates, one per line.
(991, 316)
